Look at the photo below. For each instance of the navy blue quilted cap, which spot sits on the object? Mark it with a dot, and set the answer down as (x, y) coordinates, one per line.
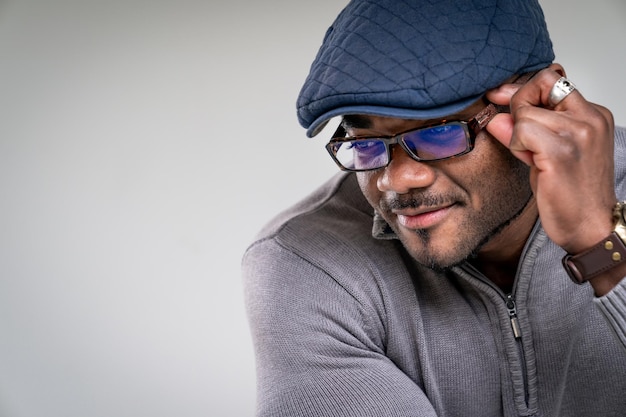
(420, 59)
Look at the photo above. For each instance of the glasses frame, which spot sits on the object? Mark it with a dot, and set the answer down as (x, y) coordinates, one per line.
(471, 127)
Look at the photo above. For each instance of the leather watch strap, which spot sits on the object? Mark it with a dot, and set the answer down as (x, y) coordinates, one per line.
(600, 258)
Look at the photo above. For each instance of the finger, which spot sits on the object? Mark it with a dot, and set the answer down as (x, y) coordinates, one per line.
(574, 153)
(536, 92)
(536, 139)
(607, 115)
(564, 134)
(501, 127)
(502, 95)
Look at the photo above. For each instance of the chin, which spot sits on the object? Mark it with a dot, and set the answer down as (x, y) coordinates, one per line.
(437, 258)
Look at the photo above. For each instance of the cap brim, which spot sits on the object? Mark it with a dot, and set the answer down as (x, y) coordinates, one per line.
(395, 112)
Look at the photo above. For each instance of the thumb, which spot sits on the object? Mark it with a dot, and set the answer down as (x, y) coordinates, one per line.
(501, 128)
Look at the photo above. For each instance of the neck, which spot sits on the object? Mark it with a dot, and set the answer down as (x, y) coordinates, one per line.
(499, 258)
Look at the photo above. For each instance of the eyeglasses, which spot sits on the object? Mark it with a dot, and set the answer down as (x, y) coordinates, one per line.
(431, 143)
(428, 143)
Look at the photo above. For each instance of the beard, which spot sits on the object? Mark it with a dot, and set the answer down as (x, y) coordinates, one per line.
(464, 252)
(504, 201)
(483, 193)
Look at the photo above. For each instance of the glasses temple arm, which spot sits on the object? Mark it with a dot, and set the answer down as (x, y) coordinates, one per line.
(488, 113)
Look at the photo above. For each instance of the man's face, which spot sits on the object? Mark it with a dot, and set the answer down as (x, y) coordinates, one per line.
(445, 211)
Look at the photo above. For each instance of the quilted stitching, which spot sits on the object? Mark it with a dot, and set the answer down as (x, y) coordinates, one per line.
(420, 57)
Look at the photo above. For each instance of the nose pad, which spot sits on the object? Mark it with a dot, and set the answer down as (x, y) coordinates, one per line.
(404, 173)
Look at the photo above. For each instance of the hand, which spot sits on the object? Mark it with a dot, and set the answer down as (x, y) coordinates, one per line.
(569, 149)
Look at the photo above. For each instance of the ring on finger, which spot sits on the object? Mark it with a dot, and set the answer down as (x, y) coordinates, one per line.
(561, 89)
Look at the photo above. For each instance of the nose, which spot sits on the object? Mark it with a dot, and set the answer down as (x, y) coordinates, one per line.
(404, 173)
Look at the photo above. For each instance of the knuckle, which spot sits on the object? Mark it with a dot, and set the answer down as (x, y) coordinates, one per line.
(606, 115)
(569, 151)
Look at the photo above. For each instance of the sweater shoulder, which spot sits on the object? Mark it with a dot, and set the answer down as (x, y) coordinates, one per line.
(333, 218)
(327, 237)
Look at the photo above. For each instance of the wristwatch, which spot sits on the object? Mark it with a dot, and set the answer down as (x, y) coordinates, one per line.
(605, 255)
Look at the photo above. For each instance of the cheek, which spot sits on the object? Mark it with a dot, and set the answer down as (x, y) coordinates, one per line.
(367, 182)
(501, 174)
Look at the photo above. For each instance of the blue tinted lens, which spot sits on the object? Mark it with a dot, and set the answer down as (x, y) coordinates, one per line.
(361, 154)
(437, 142)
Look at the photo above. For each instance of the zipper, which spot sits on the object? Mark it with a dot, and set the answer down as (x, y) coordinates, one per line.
(516, 331)
(517, 334)
(510, 305)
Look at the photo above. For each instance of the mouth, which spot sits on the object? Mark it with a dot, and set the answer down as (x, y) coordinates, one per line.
(423, 218)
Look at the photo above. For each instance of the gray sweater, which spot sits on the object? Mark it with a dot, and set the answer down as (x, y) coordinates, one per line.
(347, 324)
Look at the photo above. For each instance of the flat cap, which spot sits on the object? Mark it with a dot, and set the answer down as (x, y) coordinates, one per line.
(420, 59)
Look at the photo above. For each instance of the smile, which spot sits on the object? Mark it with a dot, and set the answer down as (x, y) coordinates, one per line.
(423, 219)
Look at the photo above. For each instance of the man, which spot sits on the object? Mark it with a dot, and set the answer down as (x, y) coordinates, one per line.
(470, 260)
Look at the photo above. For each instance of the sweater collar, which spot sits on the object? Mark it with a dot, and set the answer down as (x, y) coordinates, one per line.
(381, 229)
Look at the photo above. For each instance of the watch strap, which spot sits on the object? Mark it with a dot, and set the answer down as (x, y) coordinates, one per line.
(605, 255)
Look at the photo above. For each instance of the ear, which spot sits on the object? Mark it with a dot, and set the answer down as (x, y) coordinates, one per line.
(558, 68)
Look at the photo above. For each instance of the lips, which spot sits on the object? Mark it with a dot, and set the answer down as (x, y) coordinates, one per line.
(423, 218)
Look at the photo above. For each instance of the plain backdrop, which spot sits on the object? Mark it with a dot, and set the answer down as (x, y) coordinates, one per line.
(142, 145)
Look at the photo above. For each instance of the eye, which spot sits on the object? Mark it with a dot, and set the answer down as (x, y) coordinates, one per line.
(363, 145)
(442, 129)
(441, 133)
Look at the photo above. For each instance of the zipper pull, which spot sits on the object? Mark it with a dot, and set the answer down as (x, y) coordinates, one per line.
(510, 304)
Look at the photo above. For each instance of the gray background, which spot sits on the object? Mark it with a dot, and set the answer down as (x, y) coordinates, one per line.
(142, 144)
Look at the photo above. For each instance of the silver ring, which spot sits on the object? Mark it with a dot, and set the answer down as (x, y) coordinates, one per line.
(561, 89)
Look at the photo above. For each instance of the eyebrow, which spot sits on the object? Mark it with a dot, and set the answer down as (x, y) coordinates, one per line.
(355, 121)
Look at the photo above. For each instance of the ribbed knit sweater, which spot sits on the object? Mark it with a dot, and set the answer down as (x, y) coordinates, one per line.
(347, 324)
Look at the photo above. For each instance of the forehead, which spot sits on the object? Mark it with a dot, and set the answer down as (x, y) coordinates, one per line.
(362, 124)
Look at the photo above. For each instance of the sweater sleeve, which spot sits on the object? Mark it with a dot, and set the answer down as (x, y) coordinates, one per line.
(319, 346)
(613, 306)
